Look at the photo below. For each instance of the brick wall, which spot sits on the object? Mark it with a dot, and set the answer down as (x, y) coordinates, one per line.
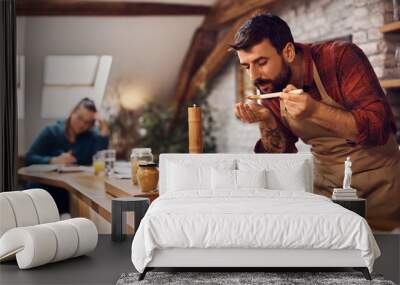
(312, 20)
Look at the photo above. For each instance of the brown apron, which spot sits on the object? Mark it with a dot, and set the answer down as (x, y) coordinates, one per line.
(376, 170)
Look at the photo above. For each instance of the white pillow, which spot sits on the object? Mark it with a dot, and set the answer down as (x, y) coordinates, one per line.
(188, 175)
(223, 179)
(251, 178)
(227, 179)
(295, 181)
(290, 174)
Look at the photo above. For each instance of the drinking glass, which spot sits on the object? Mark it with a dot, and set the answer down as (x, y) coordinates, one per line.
(109, 161)
(98, 163)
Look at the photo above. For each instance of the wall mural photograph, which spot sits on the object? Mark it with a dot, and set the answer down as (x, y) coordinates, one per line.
(200, 141)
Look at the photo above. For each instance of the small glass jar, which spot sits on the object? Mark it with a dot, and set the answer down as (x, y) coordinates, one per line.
(147, 176)
(139, 155)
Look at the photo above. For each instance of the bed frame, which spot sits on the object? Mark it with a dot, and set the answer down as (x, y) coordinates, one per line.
(242, 258)
(256, 258)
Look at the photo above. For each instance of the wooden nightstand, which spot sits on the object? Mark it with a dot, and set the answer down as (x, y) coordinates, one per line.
(358, 205)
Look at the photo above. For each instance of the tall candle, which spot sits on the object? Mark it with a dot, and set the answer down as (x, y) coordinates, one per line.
(195, 130)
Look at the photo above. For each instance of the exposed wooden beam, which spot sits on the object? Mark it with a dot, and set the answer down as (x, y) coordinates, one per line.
(226, 11)
(223, 14)
(202, 44)
(215, 61)
(105, 8)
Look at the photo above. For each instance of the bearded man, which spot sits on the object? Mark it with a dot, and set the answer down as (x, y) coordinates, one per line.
(341, 112)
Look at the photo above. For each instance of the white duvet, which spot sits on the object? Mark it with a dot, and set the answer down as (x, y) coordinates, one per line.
(250, 219)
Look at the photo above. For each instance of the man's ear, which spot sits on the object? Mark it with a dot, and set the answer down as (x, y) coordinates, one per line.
(289, 52)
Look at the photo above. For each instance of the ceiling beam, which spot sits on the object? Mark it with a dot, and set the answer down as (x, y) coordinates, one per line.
(105, 8)
(227, 11)
(215, 60)
(189, 84)
(202, 44)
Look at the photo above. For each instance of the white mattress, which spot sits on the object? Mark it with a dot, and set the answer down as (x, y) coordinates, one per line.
(257, 219)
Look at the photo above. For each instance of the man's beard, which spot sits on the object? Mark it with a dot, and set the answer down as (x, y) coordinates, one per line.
(279, 83)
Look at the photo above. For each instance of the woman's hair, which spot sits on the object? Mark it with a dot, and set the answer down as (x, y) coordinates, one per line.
(262, 27)
(87, 104)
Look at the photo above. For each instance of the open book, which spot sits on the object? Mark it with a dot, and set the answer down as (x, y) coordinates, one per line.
(62, 168)
(122, 170)
(69, 168)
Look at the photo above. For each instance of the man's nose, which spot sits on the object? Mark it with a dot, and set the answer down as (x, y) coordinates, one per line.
(253, 73)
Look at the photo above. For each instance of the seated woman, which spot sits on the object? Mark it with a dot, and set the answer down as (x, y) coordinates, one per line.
(71, 141)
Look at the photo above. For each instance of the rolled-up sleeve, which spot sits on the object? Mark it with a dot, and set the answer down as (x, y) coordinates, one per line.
(364, 97)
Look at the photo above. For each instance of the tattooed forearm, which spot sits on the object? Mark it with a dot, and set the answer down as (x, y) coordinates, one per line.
(272, 137)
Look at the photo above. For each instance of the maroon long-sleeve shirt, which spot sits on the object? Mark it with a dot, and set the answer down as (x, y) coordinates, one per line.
(349, 79)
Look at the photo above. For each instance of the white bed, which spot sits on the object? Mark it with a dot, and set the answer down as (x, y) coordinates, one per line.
(204, 220)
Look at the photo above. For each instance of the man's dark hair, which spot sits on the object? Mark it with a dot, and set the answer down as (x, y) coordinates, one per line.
(261, 27)
(87, 104)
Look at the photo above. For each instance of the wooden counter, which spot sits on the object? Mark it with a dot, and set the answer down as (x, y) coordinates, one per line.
(88, 194)
(124, 188)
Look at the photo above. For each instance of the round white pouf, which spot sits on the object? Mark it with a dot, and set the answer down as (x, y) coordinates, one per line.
(33, 246)
(23, 208)
(87, 234)
(67, 240)
(7, 218)
(52, 242)
(45, 206)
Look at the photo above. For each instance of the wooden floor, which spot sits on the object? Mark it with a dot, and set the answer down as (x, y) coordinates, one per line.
(102, 266)
(110, 259)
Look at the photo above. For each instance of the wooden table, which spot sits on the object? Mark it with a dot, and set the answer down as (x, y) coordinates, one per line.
(89, 197)
(124, 188)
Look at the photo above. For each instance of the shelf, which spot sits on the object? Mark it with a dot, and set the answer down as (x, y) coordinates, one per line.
(390, 83)
(391, 27)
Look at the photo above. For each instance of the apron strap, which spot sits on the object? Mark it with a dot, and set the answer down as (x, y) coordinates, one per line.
(318, 82)
(321, 89)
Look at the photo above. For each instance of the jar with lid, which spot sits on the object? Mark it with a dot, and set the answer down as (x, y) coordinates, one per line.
(139, 156)
(147, 176)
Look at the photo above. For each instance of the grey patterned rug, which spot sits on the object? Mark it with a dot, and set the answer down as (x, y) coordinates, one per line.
(242, 278)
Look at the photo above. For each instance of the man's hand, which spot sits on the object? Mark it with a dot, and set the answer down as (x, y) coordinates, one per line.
(64, 158)
(251, 113)
(298, 106)
(272, 137)
(102, 125)
(335, 120)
